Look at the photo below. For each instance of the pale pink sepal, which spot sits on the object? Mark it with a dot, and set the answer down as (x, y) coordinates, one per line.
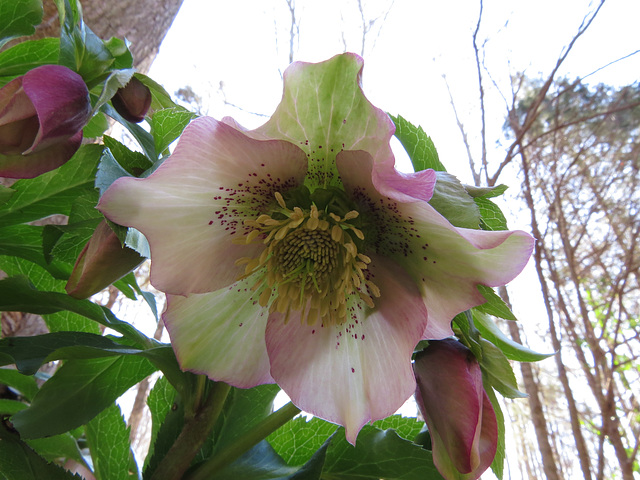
(194, 205)
(221, 334)
(357, 372)
(447, 262)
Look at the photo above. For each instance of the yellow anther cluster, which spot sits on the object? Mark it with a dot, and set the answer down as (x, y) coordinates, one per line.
(311, 263)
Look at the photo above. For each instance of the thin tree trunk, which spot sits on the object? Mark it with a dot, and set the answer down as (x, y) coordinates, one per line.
(535, 405)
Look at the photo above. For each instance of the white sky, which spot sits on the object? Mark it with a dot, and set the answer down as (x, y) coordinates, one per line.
(244, 45)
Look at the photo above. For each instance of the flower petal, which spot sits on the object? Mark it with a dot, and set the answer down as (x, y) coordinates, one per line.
(14, 103)
(42, 161)
(221, 334)
(323, 110)
(61, 100)
(357, 372)
(193, 206)
(458, 412)
(447, 262)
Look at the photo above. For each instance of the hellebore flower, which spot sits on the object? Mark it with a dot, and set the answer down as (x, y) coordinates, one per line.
(132, 101)
(102, 261)
(41, 118)
(295, 252)
(458, 413)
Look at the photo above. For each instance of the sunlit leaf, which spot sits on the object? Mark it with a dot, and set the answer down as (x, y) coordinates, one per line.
(26, 56)
(19, 18)
(53, 192)
(108, 438)
(418, 144)
(511, 349)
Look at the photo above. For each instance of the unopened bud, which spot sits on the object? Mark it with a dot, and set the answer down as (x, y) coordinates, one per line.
(132, 101)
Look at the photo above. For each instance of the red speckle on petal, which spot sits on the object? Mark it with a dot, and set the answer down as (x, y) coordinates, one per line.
(240, 324)
(353, 370)
(312, 332)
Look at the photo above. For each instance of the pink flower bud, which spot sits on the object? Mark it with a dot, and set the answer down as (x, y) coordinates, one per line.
(41, 118)
(132, 101)
(459, 415)
(102, 261)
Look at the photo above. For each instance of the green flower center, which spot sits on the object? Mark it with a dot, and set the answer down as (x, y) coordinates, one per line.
(310, 263)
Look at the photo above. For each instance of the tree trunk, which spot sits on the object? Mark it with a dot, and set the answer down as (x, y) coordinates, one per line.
(144, 23)
(535, 404)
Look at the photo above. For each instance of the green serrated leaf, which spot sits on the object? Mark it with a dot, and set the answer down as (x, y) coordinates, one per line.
(109, 170)
(18, 294)
(115, 80)
(378, 454)
(26, 56)
(120, 52)
(25, 385)
(108, 438)
(78, 391)
(244, 409)
(42, 279)
(135, 239)
(29, 353)
(19, 462)
(468, 333)
(144, 138)
(80, 49)
(453, 202)
(53, 192)
(57, 447)
(9, 407)
(259, 463)
(297, 440)
(405, 427)
(168, 421)
(135, 163)
(168, 124)
(96, 126)
(497, 370)
(26, 241)
(511, 349)
(492, 216)
(495, 305)
(160, 402)
(5, 194)
(160, 99)
(418, 144)
(485, 192)
(19, 18)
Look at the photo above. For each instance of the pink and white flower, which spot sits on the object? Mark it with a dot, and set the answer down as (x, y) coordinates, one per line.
(295, 253)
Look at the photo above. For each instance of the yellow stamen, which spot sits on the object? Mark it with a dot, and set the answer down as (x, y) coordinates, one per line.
(310, 264)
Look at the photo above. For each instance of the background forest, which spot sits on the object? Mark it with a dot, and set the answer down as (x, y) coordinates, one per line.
(561, 127)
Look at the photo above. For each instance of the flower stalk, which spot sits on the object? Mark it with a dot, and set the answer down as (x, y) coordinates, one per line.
(245, 442)
(193, 435)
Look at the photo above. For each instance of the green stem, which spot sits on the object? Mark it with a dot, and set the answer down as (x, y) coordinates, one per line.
(193, 435)
(245, 442)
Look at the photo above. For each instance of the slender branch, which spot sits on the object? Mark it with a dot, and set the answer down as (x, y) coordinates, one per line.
(532, 112)
(483, 128)
(245, 442)
(465, 139)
